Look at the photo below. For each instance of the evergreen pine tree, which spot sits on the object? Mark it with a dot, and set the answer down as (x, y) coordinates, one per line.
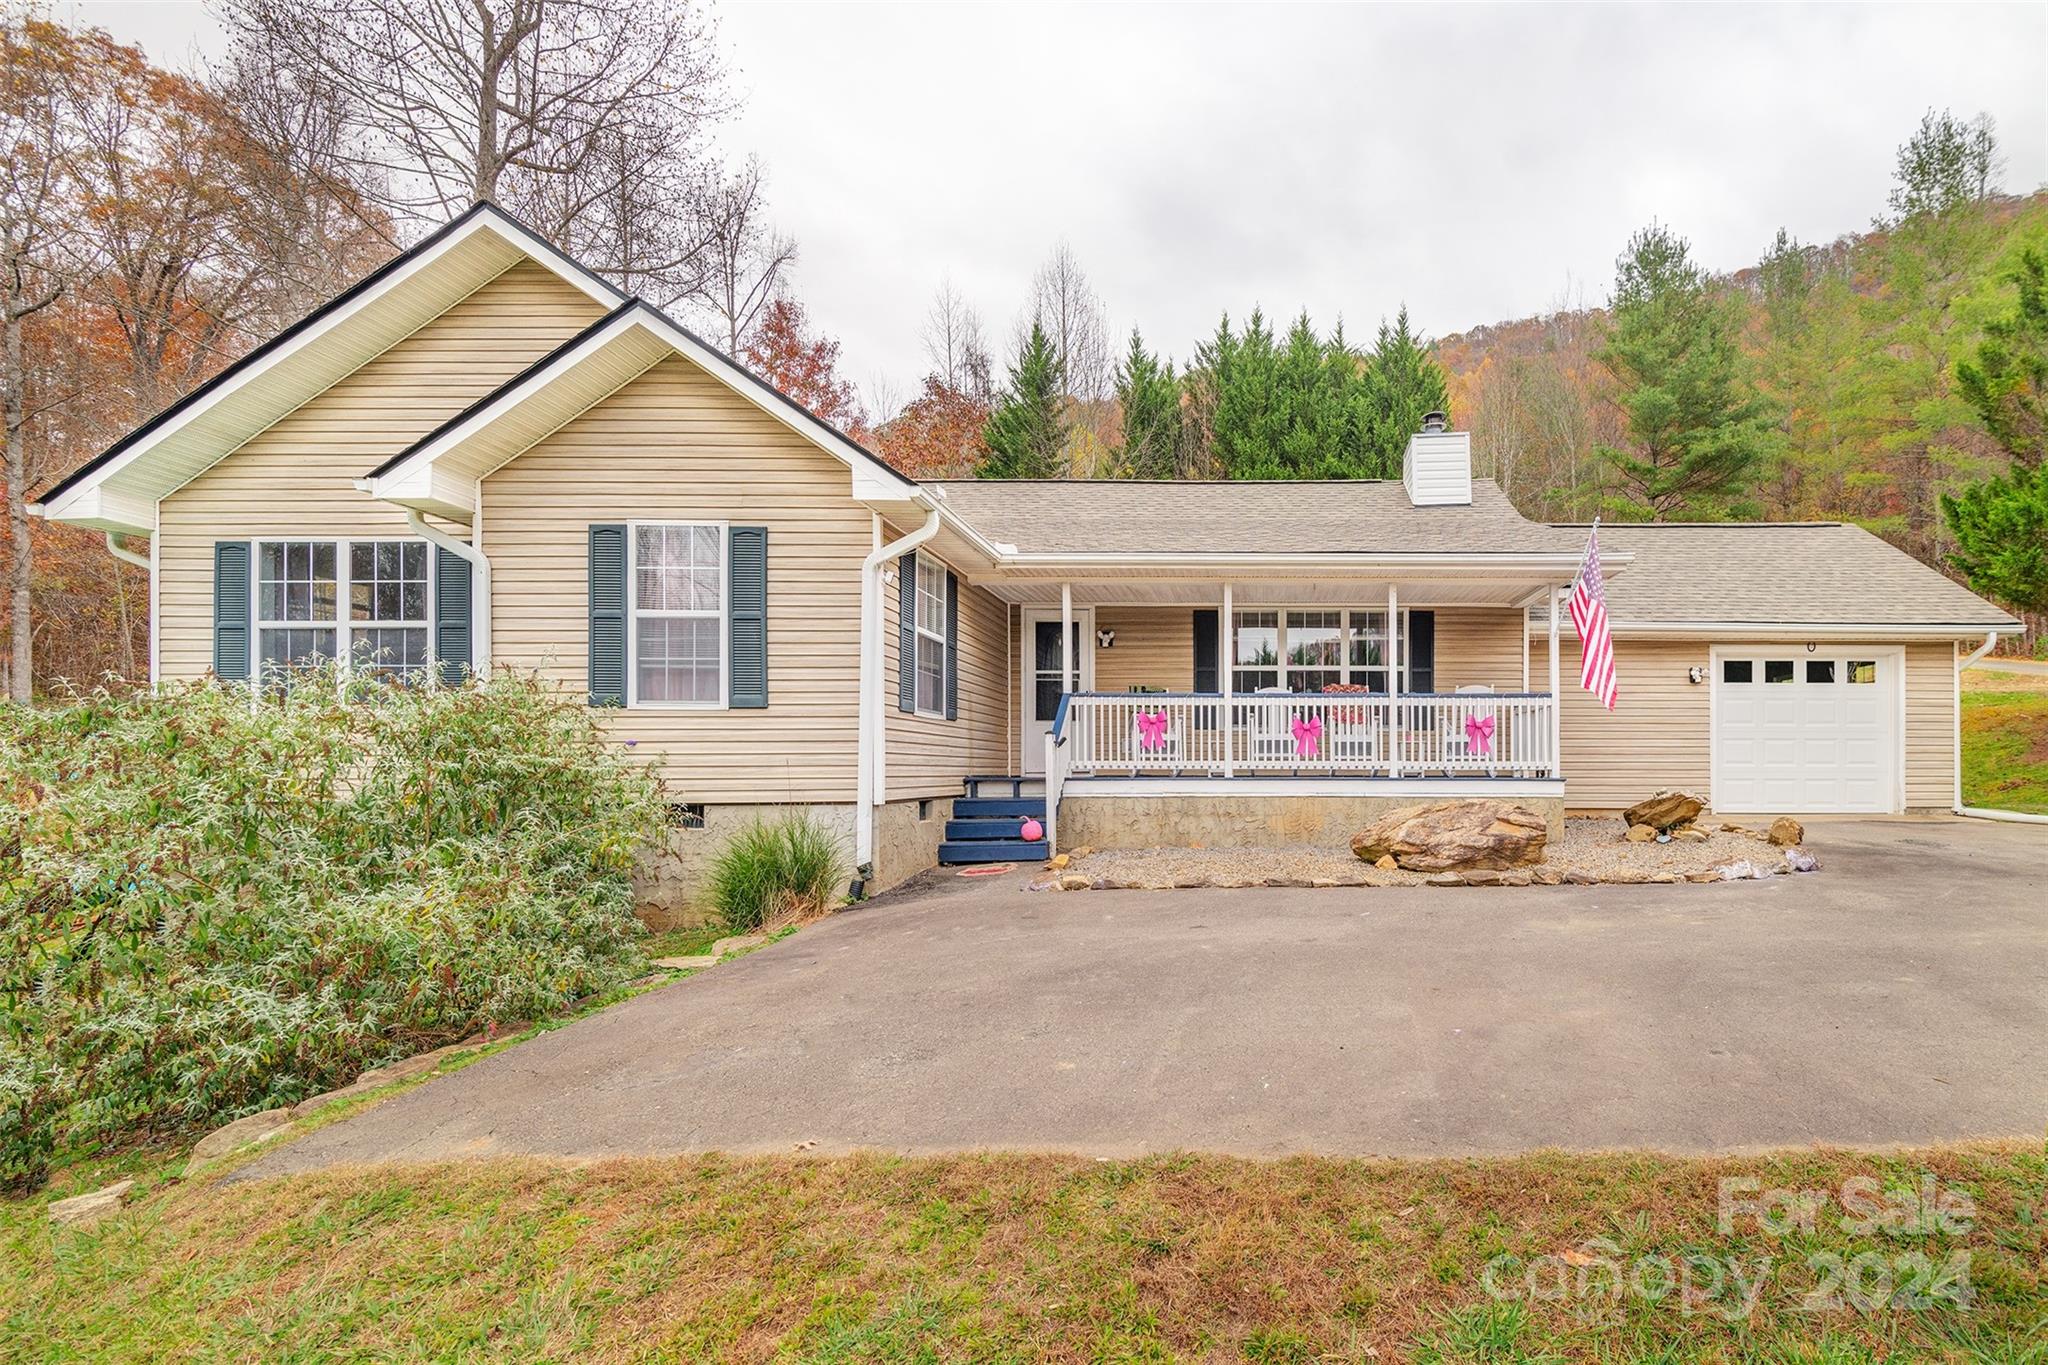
(1697, 430)
(1149, 398)
(1027, 431)
(1242, 370)
(1401, 383)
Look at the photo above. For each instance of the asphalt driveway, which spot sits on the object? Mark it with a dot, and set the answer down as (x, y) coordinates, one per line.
(1901, 995)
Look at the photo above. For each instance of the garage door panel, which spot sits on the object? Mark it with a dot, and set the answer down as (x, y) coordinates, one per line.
(1818, 733)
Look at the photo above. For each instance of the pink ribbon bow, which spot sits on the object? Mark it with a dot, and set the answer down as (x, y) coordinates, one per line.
(1307, 734)
(1479, 733)
(1151, 729)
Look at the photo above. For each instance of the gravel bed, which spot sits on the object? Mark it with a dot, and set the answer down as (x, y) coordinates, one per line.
(1590, 850)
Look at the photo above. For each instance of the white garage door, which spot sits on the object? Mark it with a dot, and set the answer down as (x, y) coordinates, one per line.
(1795, 731)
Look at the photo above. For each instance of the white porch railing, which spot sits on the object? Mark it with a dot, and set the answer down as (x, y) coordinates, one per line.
(1470, 734)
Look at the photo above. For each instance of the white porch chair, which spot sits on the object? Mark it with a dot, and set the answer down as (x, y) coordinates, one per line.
(1270, 738)
(1457, 745)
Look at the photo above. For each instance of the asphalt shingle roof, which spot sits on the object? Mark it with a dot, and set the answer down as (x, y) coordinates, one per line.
(1361, 516)
(1809, 573)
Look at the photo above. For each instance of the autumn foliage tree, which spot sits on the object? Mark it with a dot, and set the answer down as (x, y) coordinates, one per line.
(783, 351)
(938, 435)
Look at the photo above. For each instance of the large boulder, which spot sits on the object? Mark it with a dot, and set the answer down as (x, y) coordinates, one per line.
(1665, 810)
(1453, 835)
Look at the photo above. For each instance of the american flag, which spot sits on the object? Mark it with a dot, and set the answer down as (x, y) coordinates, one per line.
(1589, 615)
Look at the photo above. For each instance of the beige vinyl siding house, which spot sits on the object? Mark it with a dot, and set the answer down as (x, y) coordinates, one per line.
(610, 503)
(297, 477)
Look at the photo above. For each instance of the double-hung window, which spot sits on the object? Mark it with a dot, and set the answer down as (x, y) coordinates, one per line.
(1310, 648)
(323, 601)
(931, 637)
(677, 579)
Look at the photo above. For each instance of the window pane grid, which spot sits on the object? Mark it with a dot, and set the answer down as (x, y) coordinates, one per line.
(1308, 649)
(929, 612)
(301, 584)
(678, 584)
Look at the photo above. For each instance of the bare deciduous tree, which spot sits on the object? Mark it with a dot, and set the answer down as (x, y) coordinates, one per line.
(955, 345)
(583, 117)
(1066, 305)
(745, 260)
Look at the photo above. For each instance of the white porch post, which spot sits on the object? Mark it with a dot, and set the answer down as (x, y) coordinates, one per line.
(1066, 638)
(1556, 697)
(1223, 671)
(1393, 681)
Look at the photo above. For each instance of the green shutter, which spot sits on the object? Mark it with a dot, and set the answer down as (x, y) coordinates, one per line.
(906, 632)
(952, 647)
(608, 615)
(746, 559)
(452, 648)
(231, 610)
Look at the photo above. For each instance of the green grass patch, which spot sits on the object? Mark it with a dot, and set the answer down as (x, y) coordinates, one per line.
(693, 942)
(1032, 1258)
(2005, 750)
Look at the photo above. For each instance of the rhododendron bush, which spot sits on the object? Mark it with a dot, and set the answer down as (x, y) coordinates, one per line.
(212, 904)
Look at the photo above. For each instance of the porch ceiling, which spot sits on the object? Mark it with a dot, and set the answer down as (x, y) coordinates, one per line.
(1433, 591)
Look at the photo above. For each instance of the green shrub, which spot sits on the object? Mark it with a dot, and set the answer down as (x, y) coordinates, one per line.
(776, 873)
(210, 907)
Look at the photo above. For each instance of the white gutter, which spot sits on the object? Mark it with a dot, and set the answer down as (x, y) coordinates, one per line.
(1782, 631)
(873, 756)
(123, 553)
(1990, 642)
(479, 587)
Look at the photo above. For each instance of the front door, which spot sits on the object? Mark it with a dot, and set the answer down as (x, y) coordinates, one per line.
(1040, 684)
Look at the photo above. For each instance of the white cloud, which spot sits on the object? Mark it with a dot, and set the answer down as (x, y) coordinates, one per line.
(1467, 160)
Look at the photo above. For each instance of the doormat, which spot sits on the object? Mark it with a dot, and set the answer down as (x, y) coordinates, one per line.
(986, 870)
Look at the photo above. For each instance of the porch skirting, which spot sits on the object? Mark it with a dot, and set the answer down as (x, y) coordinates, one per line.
(1112, 813)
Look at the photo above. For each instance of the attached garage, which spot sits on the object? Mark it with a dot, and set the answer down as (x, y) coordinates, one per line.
(1807, 730)
(1806, 668)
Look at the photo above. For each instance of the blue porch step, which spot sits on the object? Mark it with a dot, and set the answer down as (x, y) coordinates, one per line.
(989, 828)
(1009, 827)
(992, 851)
(999, 807)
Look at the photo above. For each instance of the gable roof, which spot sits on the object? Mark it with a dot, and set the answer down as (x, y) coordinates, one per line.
(1781, 576)
(117, 489)
(437, 473)
(1364, 517)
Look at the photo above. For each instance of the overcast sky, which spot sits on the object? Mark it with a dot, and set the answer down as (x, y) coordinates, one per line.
(1475, 162)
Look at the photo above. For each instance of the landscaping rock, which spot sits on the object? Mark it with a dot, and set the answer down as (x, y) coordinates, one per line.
(1743, 870)
(1691, 834)
(1452, 835)
(83, 1210)
(1385, 863)
(1446, 879)
(1785, 832)
(686, 964)
(1799, 860)
(1547, 876)
(1074, 881)
(241, 1133)
(318, 1102)
(415, 1065)
(1710, 875)
(1482, 876)
(1515, 879)
(1059, 862)
(1578, 878)
(737, 943)
(1288, 881)
(1641, 834)
(1665, 810)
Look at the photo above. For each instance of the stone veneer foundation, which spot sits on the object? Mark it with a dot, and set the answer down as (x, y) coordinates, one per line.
(1223, 821)
(669, 882)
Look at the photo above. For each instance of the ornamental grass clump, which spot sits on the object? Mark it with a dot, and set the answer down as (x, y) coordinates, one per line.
(210, 907)
(777, 873)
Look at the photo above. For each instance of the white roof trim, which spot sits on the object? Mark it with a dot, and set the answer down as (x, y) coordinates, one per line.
(76, 500)
(1735, 632)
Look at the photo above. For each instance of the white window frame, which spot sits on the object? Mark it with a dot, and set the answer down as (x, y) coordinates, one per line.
(344, 643)
(724, 613)
(1344, 668)
(918, 634)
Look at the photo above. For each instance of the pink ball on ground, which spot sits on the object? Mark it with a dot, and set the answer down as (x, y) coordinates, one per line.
(1032, 831)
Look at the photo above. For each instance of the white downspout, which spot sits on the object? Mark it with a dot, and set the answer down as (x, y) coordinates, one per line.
(873, 754)
(479, 586)
(123, 553)
(1979, 812)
